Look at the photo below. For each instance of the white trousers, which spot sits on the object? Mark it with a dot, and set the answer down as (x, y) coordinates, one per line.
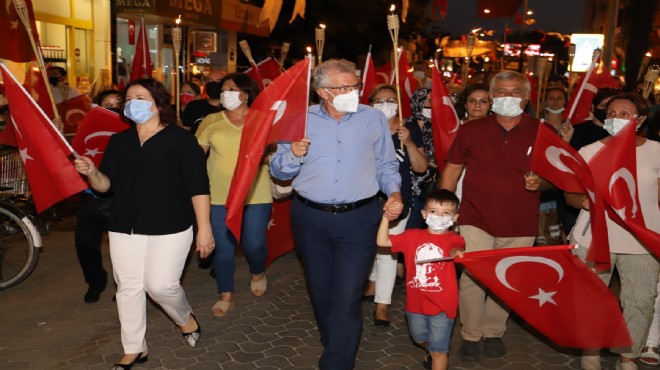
(654, 331)
(151, 264)
(383, 271)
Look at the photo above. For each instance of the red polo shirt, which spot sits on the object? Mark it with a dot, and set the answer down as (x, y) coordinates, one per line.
(496, 160)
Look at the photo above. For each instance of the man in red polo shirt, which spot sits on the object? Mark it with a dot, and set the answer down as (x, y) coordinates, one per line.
(500, 202)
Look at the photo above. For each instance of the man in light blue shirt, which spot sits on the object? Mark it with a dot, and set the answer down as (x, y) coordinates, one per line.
(338, 169)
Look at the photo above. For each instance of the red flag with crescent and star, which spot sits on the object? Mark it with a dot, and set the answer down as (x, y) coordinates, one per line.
(553, 291)
(36, 86)
(43, 150)
(264, 72)
(444, 120)
(556, 161)
(18, 47)
(279, 113)
(95, 131)
(614, 169)
(369, 79)
(582, 96)
(141, 67)
(72, 111)
(279, 236)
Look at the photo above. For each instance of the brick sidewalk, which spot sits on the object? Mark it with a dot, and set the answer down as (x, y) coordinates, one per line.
(46, 325)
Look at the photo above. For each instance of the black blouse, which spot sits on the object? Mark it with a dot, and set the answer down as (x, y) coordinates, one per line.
(153, 184)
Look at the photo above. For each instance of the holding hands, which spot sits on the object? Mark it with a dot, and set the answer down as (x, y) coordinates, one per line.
(393, 207)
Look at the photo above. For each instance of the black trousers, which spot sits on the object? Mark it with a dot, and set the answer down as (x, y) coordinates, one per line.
(92, 221)
(338, 251)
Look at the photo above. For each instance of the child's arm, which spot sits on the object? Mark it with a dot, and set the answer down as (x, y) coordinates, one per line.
(383, 237)
(456, 253)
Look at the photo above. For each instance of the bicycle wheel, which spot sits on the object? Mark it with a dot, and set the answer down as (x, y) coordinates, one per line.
(19, 246)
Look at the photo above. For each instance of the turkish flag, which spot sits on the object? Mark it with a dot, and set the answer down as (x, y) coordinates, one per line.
(131, 32)
(369, 79)
(94, 133)
(141, 67)
(584, 94)
(72, 111)
(497, 8)
(18, 47)
(614, 169)
(37, 88)
(384, 73)
(444, 120)
(554, 292)
(8, 136)
(265, 71)
(279, 237)
(278, 114)
(533, 90)
(43, 150)
(440, 6)
(557, 162)
(407, 84)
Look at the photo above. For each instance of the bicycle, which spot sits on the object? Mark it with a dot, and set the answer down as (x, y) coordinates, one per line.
(20, 241)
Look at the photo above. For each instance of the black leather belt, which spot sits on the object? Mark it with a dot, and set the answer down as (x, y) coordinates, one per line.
(335, 208)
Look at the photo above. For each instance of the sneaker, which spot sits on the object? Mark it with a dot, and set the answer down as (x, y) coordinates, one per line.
(494, 347)
(469, 350)
(427, 361)
(625, 365)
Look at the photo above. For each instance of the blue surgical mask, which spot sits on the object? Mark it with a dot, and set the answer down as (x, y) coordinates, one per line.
(138, 111)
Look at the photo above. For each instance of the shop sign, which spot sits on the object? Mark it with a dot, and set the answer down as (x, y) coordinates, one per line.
(135, 6)
(241, 17)
(205, 41)
(204, 12)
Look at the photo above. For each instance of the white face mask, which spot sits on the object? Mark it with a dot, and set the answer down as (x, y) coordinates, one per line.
(426, 112)
(554, 111)
(346, 103)
(439, 223)
(230, 99)
(614, 125)
(389, 109)
(507, 106)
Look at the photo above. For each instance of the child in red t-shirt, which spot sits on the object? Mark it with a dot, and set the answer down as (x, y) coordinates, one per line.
(431, 287)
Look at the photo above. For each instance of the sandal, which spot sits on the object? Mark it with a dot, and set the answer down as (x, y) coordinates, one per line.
(258, 288)
(220, 308)
(650, 355)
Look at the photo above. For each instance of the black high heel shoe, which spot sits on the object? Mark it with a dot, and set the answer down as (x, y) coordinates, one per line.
(192, 338)
(138, 360)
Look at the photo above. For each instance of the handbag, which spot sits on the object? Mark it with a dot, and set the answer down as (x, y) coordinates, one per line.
(430, 182)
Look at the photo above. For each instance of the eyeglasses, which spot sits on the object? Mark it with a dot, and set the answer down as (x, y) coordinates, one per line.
(381, 100)
(346, 89)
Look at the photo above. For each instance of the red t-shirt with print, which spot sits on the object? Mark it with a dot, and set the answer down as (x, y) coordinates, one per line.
(431, 287)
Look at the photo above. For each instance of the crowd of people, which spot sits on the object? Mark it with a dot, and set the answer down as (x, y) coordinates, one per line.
(361, 207)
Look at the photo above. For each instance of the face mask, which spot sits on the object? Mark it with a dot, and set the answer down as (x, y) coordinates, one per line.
(426, 112)
(186, 98)
(614, 125)
(213, 89)
(554, 111)
(113, 109)
(346, 103)
(138, 111)
(439, 223)
(600, 114)
(507, 106)
(53, 80)
(419, 75)
(389, 109)
(230, 99)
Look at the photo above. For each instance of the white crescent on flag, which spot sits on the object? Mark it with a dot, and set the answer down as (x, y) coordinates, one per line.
(280, 107)
(502, 267)
(629, 179)
(553, 155)
(71, 112)
(97, 134)
(446, 100)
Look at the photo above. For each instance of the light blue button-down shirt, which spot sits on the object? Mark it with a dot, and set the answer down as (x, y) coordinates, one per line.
(347, 160)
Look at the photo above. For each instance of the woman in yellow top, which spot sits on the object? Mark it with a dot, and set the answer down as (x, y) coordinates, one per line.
(220, 135)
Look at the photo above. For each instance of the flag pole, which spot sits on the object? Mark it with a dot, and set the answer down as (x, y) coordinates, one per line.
(145, 49)
(365, 71)
(22, 10)
(593, 64)
(176, 41)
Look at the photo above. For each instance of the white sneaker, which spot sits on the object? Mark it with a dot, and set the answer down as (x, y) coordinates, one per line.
(590, 362)
(625, 365)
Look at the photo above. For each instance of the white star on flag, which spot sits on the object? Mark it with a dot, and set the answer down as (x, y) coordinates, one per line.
(24, 155)
(544, 297)
(271, 223)
(92, 152)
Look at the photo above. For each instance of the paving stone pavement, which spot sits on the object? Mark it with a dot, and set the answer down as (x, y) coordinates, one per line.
(46, 325)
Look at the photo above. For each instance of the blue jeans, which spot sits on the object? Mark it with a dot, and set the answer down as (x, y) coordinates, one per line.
(253, 243)
(434, 330)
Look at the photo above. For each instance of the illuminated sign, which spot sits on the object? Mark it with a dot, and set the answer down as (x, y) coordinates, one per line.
(585, 44)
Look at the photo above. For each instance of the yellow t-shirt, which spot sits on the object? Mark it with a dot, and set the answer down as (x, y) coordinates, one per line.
(224, 140)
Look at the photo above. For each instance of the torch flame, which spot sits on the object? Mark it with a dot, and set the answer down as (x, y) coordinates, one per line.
(392, 8)
(321, 25)
(178, 20)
